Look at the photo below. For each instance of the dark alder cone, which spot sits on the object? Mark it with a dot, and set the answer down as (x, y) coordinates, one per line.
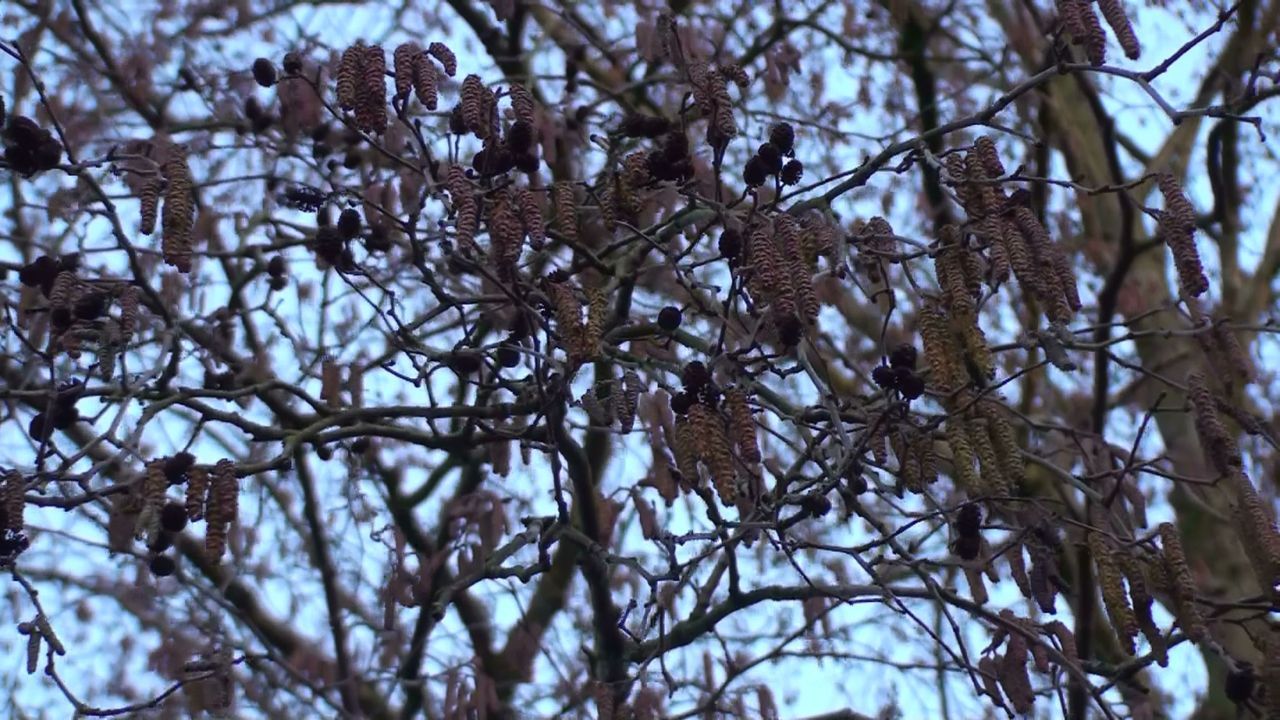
(669, 318)
(39, 272)
(457, 125)
(91, 305)
(771, 157)
(173, 516)
(464, 363)
(883, 376)
(278, 282)
(520, 136)
(816, 505)
(783, 137)
(64, 416)
(792, 172)
(329, 245)
(379, 239)
(681, 402)
(493, 160)
(903, 356)
(967, 548)
(790, 331)
(349, 223)
(756, 172)
(969, 520)
(528, 163)
(694, 376)
(508, 356)
(909, 384)
(38, 428)
(160, 542)
(1240, 683)
(177, 466)
(730, 245)
(276, 266)
(264, 72)
(360, 446)
(644, 126)
(292, 63)
(162, 566)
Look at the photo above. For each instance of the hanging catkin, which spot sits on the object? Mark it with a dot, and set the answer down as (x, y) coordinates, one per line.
(178, 213)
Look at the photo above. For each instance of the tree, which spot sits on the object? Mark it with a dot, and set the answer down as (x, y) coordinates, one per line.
(639, 360)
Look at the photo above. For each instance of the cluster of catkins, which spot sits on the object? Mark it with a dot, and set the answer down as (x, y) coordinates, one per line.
(1016, 240)
(771, 159)
(1081, 23)
(710, 426)
(77, 307)
(29, 148)
(362, 86)
(670, 160)
(580, 339)
(170, 181)
(614, 400)
(502, 152)
(211, 495)
(778, 258)
(711, 95)
(1005, 675)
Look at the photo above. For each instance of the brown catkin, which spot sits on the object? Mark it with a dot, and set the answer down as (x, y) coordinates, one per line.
(349, 75)
(992, 479)
(531, 218)
(404, 58)
(474, 98)
(742, 426)
(331, 381)
(1181, 584)
(506, 237)
(63, 293)
(1066, 639)
(1013, 674)
(426, 83)
(1140, 596)
(149, 202)
(1216, 442)
(984, 149)
(988, 672)
(1177, 228)
(800, 280)
(129, 301)
(1005, 441)
(566, 211)
(593, 330)
(13, 500)
(222, 508)
(441, 52)
(465, 205)
(371, 91)
(1095, 40)
(567, 311)
(154, 484)
(1111, 582)
(33, 651)
(628, 400)
(1113, 11)
(197, 492)
(521, 102)
(1018, 569)
(1257, 532)
(177, 217)
(713, 448)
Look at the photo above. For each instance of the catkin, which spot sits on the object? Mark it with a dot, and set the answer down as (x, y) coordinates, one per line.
(1177, 228)
(441, 52)
(941, 352)
(1257, 532)
(521, 102)
(506, 237)
(476, 101)
(13, 500)
(371, 91)
(1113, 11)
(1013, 674)
(566, 211)
(426, 83)
(149, 202)
(742, 427)
(197, 493)
(1218, 445)
(221, 509)
(465, 205)
(713, 448)
(962, 458)
(1181, 584)
(684, 448)
(33, 651)
(404, 58)
(178, 214)
(349, 75)
(1005, 441)
(1111, 582)
(628, 399)
(531, 218)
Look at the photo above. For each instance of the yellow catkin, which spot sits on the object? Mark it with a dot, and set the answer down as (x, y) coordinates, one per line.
(1111, 582)
(962, 458)
(521, 102)
(684, 448)
(941, 352)
(742, 426)
(712, 443)
(993, 480)
(1181, 584)
(1217, 443)
(1140, 596)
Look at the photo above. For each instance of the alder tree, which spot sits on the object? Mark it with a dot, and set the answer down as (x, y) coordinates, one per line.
(638, 360)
